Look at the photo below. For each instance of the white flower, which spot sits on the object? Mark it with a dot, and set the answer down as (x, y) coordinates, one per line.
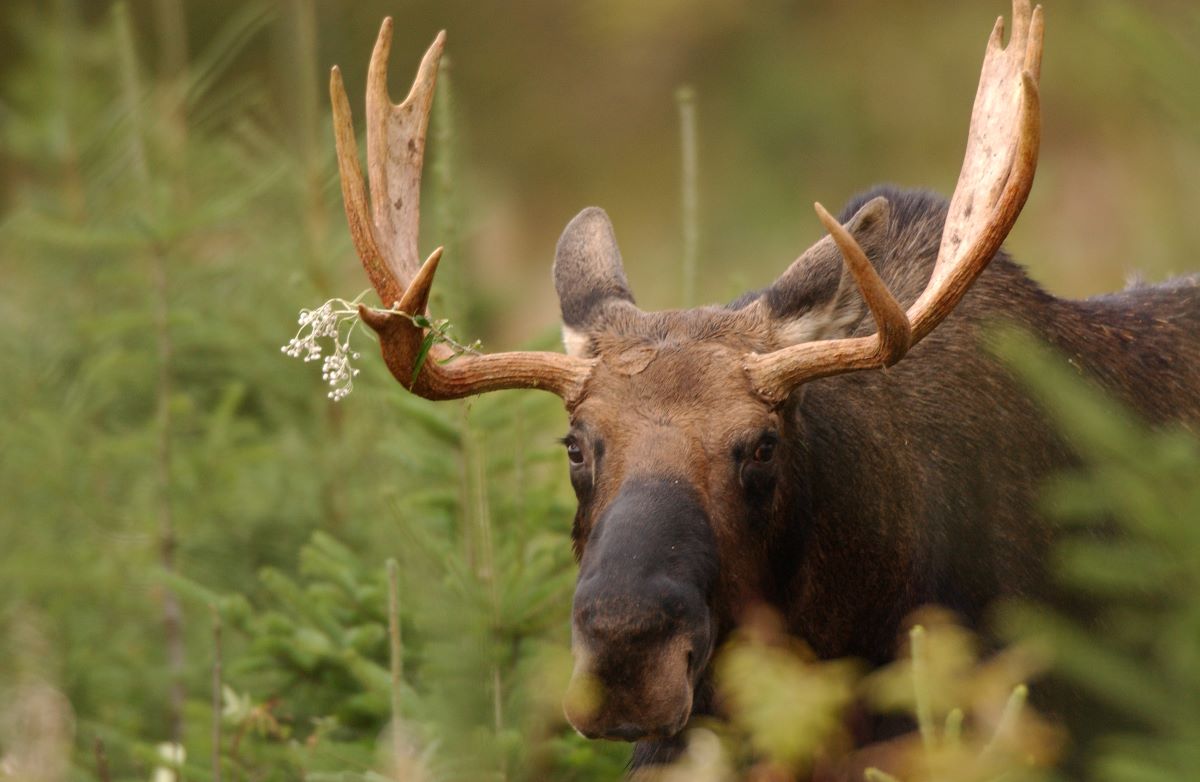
(329, 327)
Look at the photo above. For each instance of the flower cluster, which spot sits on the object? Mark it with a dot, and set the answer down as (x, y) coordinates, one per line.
(332, 323)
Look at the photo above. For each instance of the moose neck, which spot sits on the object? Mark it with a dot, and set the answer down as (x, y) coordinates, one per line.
(846, 556)
(910, 487)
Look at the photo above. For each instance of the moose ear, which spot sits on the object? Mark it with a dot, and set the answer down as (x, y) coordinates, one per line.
(817, 298)
(587, 275)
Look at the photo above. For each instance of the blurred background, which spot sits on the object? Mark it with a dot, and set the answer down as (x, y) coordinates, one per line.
(169, 202)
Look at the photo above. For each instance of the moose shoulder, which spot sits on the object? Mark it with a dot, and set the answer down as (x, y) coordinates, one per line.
(726, 457)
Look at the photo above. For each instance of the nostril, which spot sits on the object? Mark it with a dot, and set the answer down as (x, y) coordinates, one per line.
(691, 663)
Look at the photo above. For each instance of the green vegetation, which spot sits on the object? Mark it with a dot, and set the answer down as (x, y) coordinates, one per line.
(169, 201)
(1134, 555)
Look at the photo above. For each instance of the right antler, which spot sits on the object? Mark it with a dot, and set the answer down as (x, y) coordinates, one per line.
(997, 173)
(385, 236)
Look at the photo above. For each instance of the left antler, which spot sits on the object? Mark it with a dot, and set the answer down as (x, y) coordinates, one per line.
(997, 173)
(385, 236)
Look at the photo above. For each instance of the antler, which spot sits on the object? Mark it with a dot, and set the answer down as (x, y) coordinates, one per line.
(997, 173)
(385, 235)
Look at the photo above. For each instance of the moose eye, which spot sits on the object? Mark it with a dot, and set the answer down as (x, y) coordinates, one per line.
(765, 450)
(574, 452)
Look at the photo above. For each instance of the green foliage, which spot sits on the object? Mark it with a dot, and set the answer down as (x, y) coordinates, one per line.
(764, 684)
(1132, 553)
(485, 587)
(84, 496)
(204, 230)
(788, 712)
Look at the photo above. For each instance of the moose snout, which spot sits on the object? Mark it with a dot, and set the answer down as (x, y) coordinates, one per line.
(635, 660)
(642, 629)
(650, 698)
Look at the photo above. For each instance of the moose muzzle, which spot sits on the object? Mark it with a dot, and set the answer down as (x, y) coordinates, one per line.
(643, 629)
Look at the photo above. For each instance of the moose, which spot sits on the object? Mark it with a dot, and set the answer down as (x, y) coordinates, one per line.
(726, 457)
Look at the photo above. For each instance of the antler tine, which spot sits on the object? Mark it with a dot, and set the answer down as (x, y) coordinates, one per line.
(384, 231)
(894, 330)
(396, 152)
(354, 195)
(998, 166)
(996, 176)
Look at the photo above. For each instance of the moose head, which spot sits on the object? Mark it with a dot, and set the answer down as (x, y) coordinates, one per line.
(682, 442)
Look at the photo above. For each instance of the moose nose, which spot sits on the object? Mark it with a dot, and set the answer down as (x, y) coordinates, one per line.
(652, 699)
(641, 619)
(633, 660)
(606, 614)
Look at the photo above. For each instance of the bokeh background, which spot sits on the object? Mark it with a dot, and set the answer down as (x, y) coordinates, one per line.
(169, 201)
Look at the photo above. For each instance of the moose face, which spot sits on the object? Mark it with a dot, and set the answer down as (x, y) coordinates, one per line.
(675, 462)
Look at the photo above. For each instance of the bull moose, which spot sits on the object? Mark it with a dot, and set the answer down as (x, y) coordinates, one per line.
(731, 456)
